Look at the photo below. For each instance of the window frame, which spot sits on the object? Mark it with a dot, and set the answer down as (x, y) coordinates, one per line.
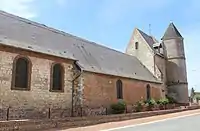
(119, 87)
(62, 77)
(148, 91)
(136, 45)
(29, 71)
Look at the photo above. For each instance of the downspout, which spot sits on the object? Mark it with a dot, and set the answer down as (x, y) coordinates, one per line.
(72, 108)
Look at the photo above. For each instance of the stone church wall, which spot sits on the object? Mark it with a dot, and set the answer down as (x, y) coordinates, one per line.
(39, 95)
(161, 70)
(144, 52)
(160, 64)
(100, 90)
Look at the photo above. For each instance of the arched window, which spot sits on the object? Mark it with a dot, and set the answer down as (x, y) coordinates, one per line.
(148, 91)
(57, 80)
(21, 73)
(119, 89)
(136, 45)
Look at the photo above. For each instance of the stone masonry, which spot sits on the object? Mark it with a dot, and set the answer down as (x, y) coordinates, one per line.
(39, 95)
(154, 62)
(165, 59)
(90, 89)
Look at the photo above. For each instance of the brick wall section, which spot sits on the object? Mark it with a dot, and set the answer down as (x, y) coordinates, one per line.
(100, 90)
(39, 96)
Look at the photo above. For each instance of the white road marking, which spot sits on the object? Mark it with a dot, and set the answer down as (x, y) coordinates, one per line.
(129, 126)
(15, 120)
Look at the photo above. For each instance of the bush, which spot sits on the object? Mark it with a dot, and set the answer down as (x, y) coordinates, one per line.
(171, 100)
(118, 107)
(139, 106)
(163, 101)
(198, 98)
(151, 102)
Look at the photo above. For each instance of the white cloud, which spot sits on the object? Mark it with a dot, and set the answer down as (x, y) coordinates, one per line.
(18, 7)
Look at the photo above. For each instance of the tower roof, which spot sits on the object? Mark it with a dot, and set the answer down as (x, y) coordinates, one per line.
(171, 32)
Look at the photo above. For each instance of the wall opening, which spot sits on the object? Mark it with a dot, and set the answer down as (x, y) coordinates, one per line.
(119, 87)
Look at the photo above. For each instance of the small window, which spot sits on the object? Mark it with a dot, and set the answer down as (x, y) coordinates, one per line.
(21, 73)
(119, 89)
(136, 45)
(148, 91)
(57, 80)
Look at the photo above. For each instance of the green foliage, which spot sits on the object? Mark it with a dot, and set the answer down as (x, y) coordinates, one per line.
(198, 97)
(171, 100)
(140, 105)
(163, 101)
(118, 107)
(151, 102)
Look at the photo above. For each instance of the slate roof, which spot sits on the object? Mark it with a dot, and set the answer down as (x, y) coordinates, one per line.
(151, 41)
(91, 56)
(171, 32)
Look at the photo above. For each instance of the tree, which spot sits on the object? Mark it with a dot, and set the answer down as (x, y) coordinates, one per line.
(198, 98)
(192, 92)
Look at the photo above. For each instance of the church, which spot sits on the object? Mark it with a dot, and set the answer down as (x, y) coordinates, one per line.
(44, 67)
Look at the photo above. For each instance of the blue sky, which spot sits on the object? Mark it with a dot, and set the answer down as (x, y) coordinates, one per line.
(111, 22)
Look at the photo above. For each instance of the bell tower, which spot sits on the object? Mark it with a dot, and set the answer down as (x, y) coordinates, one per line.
(175, 64)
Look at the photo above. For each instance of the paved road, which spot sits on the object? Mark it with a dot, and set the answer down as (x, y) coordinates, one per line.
(190, 123)
(180, 121)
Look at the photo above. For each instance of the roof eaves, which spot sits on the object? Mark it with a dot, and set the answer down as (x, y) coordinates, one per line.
(140, 79)
(36, 49)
